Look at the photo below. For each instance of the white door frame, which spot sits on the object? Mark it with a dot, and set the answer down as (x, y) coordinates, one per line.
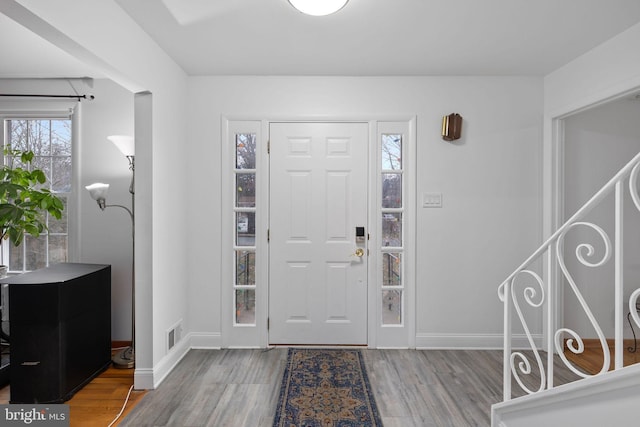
(256, 336)
(553, 194)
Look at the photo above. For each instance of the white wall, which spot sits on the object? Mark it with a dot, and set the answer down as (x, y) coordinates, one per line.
(489, 180)
(602, 73)
(102, 35)
(598, 143)
(95, 237)
(105, 236)
(607, 72)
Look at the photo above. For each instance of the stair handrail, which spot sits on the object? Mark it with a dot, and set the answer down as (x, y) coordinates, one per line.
(535, 295)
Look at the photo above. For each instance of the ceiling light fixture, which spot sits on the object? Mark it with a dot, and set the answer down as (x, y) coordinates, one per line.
(318, 7)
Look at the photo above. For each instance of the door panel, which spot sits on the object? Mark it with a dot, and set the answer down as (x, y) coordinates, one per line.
(318, 196)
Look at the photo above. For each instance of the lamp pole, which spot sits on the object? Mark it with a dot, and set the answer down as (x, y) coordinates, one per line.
(125, 358)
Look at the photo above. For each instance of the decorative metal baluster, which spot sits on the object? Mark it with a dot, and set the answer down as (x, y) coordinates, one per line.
(582, 250)
(524, 365)
(634, 312)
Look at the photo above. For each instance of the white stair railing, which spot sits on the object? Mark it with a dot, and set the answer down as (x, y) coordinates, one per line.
(525, 287)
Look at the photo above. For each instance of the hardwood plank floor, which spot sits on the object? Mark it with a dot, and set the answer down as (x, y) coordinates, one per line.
(412, 388)
(591, 360)
(240, 388)
(100, 401)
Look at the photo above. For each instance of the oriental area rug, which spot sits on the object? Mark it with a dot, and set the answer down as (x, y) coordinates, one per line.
(326, 388)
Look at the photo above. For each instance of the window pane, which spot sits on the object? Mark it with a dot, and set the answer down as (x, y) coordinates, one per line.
(392, 229)
(245, 268)
(16, 257)
(44, 164)
(391, 307)
(391, 269)
(245, 306)
(19, 134)
(391, 190)
(246, 190)
(35, 252)
(39, 137)
(61, 174)
(245, 229)
(246, 151)
(58, 226)
(391, 152)
(61, 137)
(57, 249)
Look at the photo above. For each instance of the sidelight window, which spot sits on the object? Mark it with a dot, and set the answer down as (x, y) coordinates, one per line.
(244, 284)
(391, 217)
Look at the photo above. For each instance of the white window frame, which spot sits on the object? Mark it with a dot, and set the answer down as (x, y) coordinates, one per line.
(400, 335)
(66, 111)
(241, 335)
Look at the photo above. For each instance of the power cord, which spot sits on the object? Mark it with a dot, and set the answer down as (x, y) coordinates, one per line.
(126, 400)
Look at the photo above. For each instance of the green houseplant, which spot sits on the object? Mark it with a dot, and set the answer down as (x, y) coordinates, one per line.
(24, 200)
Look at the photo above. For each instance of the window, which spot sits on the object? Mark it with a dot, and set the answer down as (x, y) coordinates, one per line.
(50, 141)
(245, 229)
(392, 211)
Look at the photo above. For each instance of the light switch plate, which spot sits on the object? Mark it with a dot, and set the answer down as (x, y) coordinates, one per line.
(431, 200)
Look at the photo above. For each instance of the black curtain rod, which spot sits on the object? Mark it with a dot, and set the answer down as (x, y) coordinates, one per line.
(78, 97)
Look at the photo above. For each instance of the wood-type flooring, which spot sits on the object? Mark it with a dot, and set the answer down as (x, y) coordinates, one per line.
(412, 388)
(240, 388)
(99, 402)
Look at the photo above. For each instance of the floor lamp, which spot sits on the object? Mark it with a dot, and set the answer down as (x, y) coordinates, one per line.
(125, 358)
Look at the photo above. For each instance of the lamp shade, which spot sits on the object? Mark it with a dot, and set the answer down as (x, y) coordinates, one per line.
(124, 143)
(318, 7)
(98, 190)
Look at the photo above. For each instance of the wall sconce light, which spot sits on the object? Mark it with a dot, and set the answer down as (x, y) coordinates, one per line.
(451, 127)
(126, 357)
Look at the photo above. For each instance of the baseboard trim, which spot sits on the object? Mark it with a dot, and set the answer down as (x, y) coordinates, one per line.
(205, 340)
(143, 379)
(149, 379)
(595, 342)
(472, 341)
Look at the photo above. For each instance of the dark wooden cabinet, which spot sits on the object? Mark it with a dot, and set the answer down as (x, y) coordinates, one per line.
(60, 329)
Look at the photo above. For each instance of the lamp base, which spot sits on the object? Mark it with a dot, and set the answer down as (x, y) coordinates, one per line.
(124, 359)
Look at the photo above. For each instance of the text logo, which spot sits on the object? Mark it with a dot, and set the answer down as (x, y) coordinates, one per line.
(34, 415)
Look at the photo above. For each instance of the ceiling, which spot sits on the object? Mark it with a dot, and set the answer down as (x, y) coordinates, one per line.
(366, 37)
(25, 54)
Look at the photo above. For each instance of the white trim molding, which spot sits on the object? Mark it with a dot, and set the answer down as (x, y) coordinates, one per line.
(204, 340)
(437, 341)
(150, 379)
(609, 399)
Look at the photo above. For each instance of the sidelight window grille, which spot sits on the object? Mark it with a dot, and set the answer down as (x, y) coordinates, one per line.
(245, 229)
(392, 213)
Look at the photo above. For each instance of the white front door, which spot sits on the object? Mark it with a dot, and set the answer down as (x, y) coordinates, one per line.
(318, 203)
